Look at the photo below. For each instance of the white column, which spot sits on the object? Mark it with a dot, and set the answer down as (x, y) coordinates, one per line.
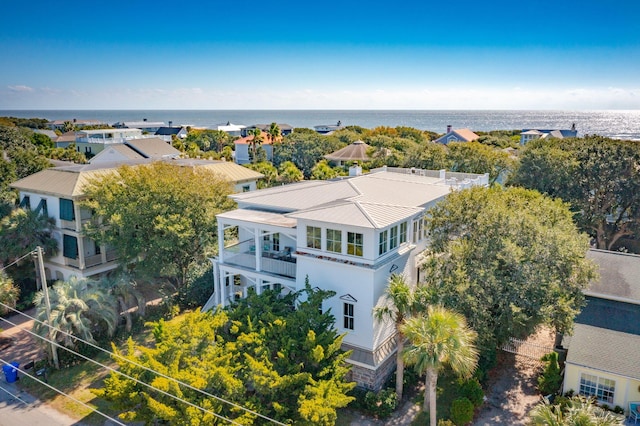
(257, 240)
(221, 228)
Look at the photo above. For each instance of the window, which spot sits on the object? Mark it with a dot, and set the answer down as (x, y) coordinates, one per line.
(334, 240)
(348, 316)
(246, 188)
(403, 232)
(382, 242)
(393, 240)
(415, 232)
(314, 237)
(42, 207)
(66, 210)
(599, 387)
(275, 242)
(70, 247)
(354, 244)
(26, 202)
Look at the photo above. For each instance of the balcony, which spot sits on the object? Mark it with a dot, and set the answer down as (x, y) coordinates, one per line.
(274, 262)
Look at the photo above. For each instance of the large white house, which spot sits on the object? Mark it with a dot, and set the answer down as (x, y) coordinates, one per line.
(345, 235)
(58, 191)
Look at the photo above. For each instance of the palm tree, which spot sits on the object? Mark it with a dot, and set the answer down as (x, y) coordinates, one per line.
(578, 411)
(79, 307)
(440, 338)
(400, 303)
(124, 289)
(255, 142)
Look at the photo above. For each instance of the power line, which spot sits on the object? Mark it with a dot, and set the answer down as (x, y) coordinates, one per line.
(123, 374)
(14, 396)
(201, 391)
(17, 260)
(95, 410)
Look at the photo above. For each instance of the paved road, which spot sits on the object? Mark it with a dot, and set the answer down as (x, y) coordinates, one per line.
(17, 408)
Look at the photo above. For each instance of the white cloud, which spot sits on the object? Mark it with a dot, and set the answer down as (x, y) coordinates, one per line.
(20, 88)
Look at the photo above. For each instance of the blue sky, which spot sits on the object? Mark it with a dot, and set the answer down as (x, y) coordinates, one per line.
(242, 54)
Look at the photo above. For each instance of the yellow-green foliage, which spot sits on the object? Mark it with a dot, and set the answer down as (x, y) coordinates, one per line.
(285, 364)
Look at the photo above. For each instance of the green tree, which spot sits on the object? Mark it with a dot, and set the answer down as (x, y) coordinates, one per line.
(274, 133)
(599, 177)
(509, 260)
(22, 231)
(268, 170)
(159, 217)
(305, 149)
(282, 362)
(79, 307)
(289, 173)
(323, 171)
(401, 301)
(207, 140)
(474, 157)
(8, 293)
(125, 291)
(255, 143)
(579, 411)
(429, 156)
(551, 378)
(438, 339)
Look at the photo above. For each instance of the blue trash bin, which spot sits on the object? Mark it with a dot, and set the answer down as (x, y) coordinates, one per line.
(11, 372)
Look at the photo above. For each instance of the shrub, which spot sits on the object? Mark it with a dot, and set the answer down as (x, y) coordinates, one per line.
(461, 411)
(443, 422)
(381, 404)
(550, 380)
(472, 390)
(618, 409)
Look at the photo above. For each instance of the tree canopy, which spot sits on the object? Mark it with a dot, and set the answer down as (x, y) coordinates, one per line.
(262, 354)
(159, 217)
(599, 177)
(509, 260)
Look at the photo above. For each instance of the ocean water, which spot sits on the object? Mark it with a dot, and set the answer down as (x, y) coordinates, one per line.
(612, 123)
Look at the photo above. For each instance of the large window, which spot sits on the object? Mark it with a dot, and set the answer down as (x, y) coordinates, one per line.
(599, 387)
(66, 209)
(354, 244)
(314, 237)
(334, 240)
(70, 247)
(348, 316)
(383, 241)
(393, 240)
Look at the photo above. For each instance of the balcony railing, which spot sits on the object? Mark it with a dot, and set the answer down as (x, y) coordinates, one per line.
(94, 260)
(274, 262)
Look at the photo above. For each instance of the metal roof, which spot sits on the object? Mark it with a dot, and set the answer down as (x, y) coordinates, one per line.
(605, 350)
(255, 216)
(357, 151)
(374, 200)
(618, 278)
(69, 181)
(153, 147)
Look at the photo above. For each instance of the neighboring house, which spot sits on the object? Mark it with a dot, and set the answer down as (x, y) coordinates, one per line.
(346, 235)
(531, 134)
(242, 149)
(57, 192)
(167, 133)
(66, 139)
(149, 127)
(457, 135)
(135, 149)
(230, 128)
(79, 124)
(92, 142)
(326, 129)
(603, 354)
(285, 129)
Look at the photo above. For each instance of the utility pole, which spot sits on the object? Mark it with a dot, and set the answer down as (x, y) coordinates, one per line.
(45, 290)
